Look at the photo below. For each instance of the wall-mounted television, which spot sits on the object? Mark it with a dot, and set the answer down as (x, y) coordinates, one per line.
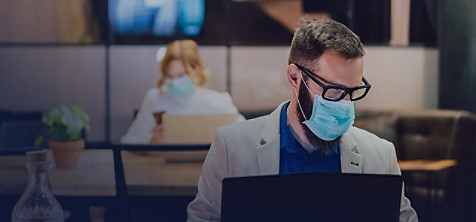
(161, 21)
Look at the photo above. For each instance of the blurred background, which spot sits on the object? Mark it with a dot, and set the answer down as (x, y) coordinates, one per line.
(101, 54)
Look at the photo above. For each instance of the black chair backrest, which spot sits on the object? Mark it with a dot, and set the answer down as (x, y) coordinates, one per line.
(18, 135)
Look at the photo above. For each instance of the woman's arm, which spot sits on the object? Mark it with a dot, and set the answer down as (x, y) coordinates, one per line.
(141, 130)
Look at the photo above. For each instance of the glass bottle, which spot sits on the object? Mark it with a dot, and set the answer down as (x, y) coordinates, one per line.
(37, 204)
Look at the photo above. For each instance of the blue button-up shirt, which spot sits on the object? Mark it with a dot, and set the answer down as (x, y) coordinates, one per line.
(295, 159)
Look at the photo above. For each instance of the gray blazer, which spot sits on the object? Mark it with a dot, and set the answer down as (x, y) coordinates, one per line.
(251, 148)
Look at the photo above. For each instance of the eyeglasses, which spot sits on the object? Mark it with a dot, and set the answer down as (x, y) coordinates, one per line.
(336, 93)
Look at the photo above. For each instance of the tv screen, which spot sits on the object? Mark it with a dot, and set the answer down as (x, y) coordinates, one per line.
(160, 21)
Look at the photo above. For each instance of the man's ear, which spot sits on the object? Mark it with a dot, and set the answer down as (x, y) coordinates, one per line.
(294, 76)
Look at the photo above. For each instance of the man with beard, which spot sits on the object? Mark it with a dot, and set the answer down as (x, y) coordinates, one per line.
(310, 133)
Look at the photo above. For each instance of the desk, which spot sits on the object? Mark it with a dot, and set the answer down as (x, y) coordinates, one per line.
(426, 165)
(431, 168)
(94, 175)
(147, 173)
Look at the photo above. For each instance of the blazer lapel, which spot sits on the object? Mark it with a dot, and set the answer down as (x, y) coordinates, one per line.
(268, 152)
(268, 157)
(351, 160)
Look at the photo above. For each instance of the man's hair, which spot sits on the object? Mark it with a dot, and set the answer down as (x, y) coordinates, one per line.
(315, 36)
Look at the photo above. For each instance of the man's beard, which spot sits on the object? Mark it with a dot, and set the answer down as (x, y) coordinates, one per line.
(317, 143)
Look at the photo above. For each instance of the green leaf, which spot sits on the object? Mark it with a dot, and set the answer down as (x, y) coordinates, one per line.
(66, 123)
(38, 140)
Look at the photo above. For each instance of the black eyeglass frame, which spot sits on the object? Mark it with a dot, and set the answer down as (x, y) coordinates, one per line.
(346, 90)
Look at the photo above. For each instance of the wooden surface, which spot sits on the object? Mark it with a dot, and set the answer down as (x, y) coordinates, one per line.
(94, 175)
(426, 165)
(148, 173)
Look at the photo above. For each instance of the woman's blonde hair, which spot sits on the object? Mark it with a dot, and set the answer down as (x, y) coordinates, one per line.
(187, 52)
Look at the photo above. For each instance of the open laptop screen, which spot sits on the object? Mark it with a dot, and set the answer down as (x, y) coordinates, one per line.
(312, 197)
(194, 128)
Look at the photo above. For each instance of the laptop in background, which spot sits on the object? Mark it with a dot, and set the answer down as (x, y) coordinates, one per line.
(312, 197)
(194, 128)
(185, 129)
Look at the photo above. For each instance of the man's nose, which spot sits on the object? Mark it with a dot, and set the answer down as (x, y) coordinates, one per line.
(347, 97)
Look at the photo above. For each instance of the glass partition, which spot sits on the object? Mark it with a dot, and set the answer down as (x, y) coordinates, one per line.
(44, 44)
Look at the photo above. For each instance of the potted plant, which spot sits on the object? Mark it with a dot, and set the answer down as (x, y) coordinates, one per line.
(66, 127)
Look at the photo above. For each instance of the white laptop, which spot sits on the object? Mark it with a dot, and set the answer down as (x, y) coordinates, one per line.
(184, 129)
(194, 128)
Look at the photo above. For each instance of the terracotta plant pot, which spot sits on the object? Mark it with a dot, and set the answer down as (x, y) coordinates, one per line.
(66, 154)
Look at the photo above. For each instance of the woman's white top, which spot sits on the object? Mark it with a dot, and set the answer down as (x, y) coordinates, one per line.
(201, 101)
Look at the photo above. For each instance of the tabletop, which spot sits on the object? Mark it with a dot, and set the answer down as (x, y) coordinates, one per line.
(94, 175)
(162, 173)
(426, 165)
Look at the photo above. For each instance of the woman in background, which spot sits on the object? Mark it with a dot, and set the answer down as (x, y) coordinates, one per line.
(180, 91)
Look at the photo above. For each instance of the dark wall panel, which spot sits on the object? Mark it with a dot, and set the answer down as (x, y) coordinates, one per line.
(457, 81)
(458, 55)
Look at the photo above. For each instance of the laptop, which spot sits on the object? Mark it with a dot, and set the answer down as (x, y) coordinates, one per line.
(194, 128)
(312, 197)
(185, 129)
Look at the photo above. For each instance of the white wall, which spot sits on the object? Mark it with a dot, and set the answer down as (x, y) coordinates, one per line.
(259, 77)
(401, 77)
(39, 78)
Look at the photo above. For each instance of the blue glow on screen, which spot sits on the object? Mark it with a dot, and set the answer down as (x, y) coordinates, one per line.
(157, 17)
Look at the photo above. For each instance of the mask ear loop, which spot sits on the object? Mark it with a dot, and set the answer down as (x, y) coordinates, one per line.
(297, 97)
(302, 78)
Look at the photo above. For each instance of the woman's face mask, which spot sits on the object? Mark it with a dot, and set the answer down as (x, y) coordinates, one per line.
(181, 86)
(329, 119)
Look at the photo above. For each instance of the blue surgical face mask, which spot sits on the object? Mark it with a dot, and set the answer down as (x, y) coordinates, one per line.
(181, 86)
(329, 119)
